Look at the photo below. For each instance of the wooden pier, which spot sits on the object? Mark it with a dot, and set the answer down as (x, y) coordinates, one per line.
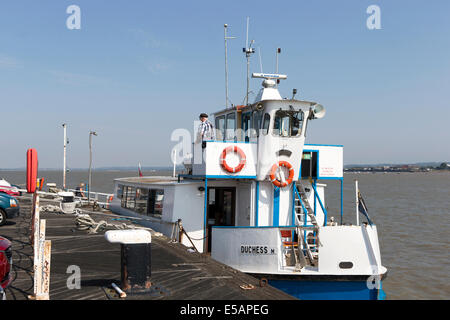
(176, 273)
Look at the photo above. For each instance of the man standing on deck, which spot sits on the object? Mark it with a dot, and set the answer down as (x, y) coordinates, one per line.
(79, 191)
(205, 130)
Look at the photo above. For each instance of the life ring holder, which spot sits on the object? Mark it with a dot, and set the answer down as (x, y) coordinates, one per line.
(242, 157)
(277, 183)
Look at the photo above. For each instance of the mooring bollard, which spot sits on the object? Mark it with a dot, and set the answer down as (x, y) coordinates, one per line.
(67, 204)
(135, 258)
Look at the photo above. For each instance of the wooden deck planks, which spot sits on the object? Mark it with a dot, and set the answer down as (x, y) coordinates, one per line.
(173, 267)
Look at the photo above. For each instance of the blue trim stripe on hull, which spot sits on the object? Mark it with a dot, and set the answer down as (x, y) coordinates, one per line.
(327, 290)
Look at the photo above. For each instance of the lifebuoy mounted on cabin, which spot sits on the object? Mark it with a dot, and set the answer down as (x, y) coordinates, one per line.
(289, 180)
(242, 157)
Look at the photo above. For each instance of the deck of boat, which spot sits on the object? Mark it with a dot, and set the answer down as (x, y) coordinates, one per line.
(177, 273)
(149, 179)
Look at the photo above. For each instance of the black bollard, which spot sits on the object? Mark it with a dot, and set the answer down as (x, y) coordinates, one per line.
(135, 259)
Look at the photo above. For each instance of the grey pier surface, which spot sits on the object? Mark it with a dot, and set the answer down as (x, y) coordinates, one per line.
(176, 273)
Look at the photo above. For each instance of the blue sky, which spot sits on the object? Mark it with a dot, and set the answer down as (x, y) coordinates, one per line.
(138, 70)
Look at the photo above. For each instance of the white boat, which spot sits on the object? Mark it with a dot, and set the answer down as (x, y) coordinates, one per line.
(252, 199)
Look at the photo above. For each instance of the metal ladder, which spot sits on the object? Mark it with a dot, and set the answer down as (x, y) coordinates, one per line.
(310, 254)
(298, 207)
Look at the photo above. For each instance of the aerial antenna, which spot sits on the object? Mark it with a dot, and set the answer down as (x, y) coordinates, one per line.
(248, 50)
(225, 26)
(260, 60)
(278, 52)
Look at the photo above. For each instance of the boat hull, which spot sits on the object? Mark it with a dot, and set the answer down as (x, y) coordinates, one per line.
(328, 290)
(326, 287)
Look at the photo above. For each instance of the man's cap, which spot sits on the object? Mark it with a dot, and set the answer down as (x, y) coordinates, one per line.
(203, 115)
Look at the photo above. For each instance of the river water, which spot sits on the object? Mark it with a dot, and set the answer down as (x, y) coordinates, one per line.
(411, 211)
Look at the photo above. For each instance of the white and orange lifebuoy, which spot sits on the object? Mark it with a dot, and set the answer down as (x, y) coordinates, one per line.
(242, 157)
(278, 183)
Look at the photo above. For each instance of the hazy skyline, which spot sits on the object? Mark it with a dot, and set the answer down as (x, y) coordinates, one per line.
(136, 71)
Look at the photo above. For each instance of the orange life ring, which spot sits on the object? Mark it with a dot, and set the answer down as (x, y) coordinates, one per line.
(274, 169)
(223, 161)
(110, 198)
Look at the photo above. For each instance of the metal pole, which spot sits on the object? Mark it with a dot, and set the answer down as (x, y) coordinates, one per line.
(225, 26)
(90, 167)
(357, 202)
(64, 161)
(278, 52)
(277, 61)
(90, 164)
(342, 200)
(205, 231)
(248, 79)
(226, 67)
(174, 159)
(247, 53)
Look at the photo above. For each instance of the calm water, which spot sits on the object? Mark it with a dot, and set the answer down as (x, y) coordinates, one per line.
(411, 211)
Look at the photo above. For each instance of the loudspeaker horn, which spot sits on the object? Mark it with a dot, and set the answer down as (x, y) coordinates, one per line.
(318, 111)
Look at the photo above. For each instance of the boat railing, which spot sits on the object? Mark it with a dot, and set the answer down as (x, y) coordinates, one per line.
(317, 196)
(301, 248)
(99, 197)
(102, 199)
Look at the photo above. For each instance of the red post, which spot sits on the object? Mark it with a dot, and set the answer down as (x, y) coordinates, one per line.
(32, 168)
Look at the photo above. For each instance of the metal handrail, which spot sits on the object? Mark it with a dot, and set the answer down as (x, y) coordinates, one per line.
(320, 202)
(301, 202)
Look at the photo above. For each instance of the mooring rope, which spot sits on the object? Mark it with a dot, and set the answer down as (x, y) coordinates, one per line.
(86, 222)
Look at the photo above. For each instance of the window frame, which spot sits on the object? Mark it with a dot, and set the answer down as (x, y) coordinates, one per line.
(227, 116)
(223, 130)
(265, 130)
(152, 196)
(291, 122)
(247, 119)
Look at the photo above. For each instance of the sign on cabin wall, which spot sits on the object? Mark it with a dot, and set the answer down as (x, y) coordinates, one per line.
(330, 160)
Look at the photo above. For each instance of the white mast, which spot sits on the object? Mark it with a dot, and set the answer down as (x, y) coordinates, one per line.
(278, 52)
(357, 202)
(248, 51)
(64, 158)
(225, 26)
(174, 159)
(91, 133)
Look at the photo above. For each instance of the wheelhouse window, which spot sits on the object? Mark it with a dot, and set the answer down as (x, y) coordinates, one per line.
(266, 123)
(119, 191)
(288, 123)
(220, 127)
(256, 123)
(141, 200)
(246, 125)
(155, 202)
(130, 198)
(231, 126)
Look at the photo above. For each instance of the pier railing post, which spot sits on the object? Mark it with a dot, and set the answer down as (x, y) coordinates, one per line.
(180, 231)
(41, 254)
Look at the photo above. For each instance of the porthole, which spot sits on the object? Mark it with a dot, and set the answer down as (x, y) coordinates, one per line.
(346, 265)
